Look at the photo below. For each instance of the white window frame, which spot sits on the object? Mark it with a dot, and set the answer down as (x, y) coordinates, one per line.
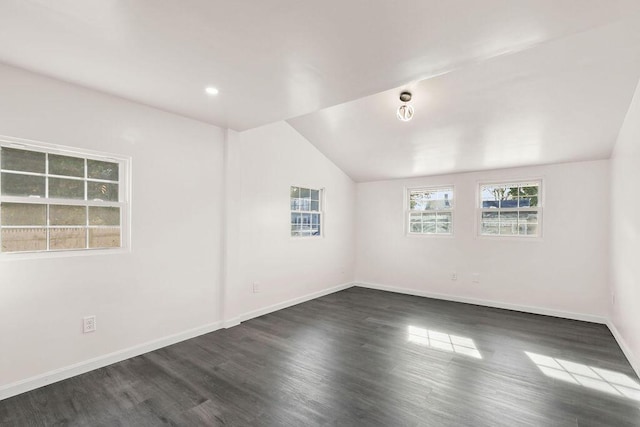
(409, 211)
(124, 194)
(320, 211)
(509, 183)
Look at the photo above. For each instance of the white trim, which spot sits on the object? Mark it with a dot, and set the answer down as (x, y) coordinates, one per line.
(488, 303)
(635, 363)
(234, 321)
(18, 387)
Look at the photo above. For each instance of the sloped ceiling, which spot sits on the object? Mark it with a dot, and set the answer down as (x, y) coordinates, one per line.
(497, 83)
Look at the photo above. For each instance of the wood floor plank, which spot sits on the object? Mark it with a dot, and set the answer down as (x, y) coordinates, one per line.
(359, 357)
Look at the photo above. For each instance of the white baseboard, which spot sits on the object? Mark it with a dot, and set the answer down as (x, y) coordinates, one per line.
(635, 363)
(56, 375)
(487, 303)
(279, 306)
(18, 387)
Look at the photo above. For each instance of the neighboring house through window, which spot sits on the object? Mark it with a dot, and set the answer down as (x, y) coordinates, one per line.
(511, 209)
(306, 212)
(430, 210)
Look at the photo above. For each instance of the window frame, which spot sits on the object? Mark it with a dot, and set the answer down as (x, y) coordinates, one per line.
(320, 211)
(408, 211)
(123, 202)
(509, 182)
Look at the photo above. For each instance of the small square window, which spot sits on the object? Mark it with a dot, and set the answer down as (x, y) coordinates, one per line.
(430, 210)
(510, 209)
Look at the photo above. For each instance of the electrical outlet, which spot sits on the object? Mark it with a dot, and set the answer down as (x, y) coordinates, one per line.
(256, 287)
(454, 276)
(89, 324)
(475, 278)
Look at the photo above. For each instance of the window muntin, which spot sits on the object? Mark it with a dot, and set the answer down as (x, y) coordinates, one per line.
(306, 212)
(56, 201)
(430, 210)
(510, 209)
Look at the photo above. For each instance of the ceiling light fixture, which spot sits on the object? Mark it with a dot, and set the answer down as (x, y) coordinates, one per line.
(211, 91)
(405, 111)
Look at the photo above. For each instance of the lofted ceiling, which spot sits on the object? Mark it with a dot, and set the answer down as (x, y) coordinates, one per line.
(562, 101)
(497, 83)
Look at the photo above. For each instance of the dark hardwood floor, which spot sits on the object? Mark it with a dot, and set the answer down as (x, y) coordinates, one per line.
(359, 358)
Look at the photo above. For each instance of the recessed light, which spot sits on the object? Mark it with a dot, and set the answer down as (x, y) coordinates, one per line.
(211, 90)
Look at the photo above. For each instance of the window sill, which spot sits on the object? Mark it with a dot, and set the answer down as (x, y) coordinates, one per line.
(18, 256)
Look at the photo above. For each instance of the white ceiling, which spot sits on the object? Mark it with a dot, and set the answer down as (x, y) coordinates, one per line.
(561, 101)
(532, 81)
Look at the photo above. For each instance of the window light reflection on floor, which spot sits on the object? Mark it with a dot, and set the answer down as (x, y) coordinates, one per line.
(587, 376)
(443, 341)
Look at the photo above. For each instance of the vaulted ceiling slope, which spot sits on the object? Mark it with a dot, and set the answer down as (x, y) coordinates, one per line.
(562, 101)
(278, 59)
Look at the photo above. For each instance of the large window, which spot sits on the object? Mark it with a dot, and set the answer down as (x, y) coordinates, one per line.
(430, 210)
(306, 212)
(58, 200)
(511, 209)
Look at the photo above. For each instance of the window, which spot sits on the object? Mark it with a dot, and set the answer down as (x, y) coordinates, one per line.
(55, 200)
(430, 210)
(306, 212)
(510, 209)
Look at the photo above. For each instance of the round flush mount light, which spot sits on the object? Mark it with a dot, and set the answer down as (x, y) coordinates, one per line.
(211, 91)
(405, 111)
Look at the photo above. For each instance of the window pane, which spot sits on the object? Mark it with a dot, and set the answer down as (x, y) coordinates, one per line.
(306, 219)
(295, 192)
(529, 195)
(23, 160)
(429, 227)
(67, 215)
(508, 229)
(24, 239)
(315, 231)
(22, 185)
(23, 214)
(443, 228)
(67, 238)
(490, 216)
(305, 193)
(102, 170)
(415, 217)
(65, 165)
(437, 204)
(315, 219)
(296, 218)
(444, 217)
(508, 218)
(429, 217)
(530, 229)
(315, 205)
(530, 217)
(416, 227)
(99, 215)
(489, 227)
(104, 237)
(315, 194)
(102, 191)
(60, 188)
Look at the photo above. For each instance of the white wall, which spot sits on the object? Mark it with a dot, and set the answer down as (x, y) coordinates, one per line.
(625, 233)
(565, 271)
(168, 284)
(263, 164)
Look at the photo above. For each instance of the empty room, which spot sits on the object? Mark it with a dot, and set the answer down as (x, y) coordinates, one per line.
(341, 213)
